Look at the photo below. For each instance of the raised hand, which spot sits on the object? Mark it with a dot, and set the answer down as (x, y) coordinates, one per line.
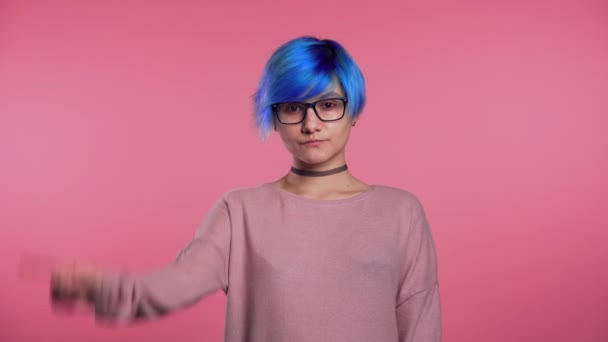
(74, 285)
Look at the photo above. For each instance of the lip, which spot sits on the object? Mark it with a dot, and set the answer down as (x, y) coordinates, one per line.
(313, 142)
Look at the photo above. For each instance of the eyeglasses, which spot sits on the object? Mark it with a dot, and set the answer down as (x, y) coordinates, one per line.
(291, 113)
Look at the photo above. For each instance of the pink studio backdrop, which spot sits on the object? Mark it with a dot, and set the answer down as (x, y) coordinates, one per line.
(122, 122)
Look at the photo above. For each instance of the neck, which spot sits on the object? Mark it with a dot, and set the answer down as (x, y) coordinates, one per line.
(312, 173)
(325, 183)
(317, 186)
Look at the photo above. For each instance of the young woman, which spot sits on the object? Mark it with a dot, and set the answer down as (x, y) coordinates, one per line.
(317, 255)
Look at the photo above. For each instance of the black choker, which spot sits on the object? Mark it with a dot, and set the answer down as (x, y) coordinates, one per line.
(318, 173)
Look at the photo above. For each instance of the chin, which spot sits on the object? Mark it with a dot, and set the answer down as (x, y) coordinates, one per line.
(313, 159)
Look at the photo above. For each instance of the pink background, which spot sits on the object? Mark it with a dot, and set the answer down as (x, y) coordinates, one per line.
(121, 123)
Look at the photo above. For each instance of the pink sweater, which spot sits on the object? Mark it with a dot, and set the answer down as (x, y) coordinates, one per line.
(296, 269)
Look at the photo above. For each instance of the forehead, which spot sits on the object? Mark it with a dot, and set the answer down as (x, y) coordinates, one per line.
(334, 90)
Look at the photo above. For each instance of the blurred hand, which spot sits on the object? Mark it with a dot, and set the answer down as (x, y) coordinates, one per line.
(74, 285)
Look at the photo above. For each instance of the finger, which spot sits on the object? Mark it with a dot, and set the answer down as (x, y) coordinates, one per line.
(62, 286)
(55, 286)
(82, 304)
(59, 286)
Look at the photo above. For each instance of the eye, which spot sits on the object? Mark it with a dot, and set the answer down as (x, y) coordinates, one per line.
(290, 108)
(328, 104)
(293, 108)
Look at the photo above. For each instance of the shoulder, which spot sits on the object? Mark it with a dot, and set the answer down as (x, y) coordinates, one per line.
(397, 195)
(399, 200)
(246, 194)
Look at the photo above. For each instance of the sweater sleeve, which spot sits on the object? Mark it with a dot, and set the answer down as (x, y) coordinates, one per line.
(418, 307)
(199, 269)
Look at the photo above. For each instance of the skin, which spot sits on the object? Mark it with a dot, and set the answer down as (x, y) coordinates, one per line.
(328, 155)
(74, 286)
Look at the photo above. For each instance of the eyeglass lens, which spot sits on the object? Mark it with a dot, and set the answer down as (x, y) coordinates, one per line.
(328, 110)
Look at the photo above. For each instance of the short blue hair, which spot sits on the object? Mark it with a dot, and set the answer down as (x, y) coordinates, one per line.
(303, 68)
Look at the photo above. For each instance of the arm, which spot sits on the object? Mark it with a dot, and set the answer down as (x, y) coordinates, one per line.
(418, 306)
(200, 268)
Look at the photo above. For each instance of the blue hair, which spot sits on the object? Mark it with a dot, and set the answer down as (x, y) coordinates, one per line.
(303, 68)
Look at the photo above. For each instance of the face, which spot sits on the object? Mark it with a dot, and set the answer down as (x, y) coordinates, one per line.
(333, 136)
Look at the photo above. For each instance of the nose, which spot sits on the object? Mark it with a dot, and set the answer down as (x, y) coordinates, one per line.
(311, 122)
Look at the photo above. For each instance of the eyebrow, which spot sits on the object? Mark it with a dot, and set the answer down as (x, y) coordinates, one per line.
(327, 95)
(330, 94)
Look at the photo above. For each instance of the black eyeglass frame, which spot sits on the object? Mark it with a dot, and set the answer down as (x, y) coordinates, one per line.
(309, 105)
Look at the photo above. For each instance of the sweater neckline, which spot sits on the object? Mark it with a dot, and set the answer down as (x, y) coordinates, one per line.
(302, 199)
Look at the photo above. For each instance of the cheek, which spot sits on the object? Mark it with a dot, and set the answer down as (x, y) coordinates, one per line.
(341, 135)
(289, 139)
